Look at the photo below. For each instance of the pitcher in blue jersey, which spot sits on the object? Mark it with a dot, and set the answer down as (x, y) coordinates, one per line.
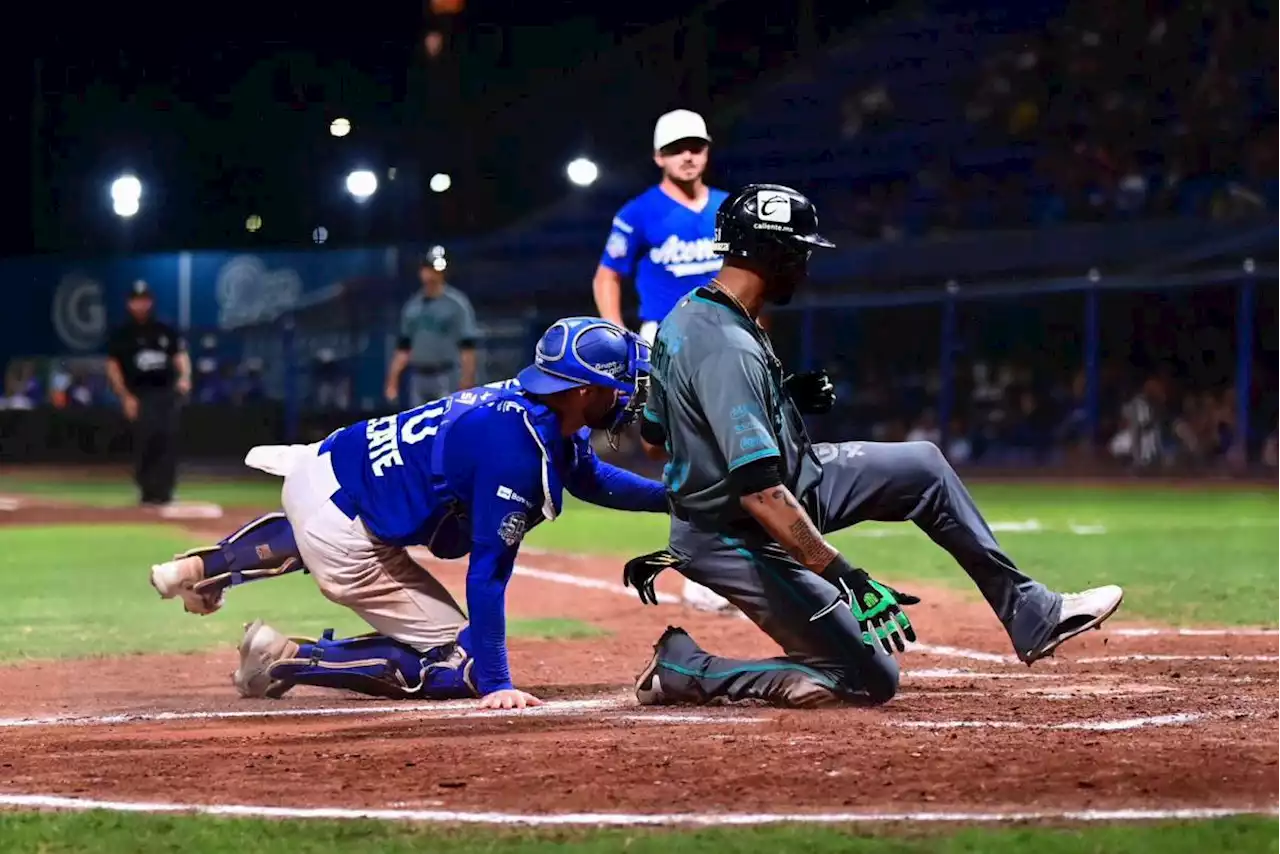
(468, 474)
(662, 238)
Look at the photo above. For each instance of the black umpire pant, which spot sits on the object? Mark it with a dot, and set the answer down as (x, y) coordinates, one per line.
(155, 445)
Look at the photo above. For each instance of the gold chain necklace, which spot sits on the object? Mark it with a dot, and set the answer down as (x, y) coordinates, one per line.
(732, 296)
(760, 334)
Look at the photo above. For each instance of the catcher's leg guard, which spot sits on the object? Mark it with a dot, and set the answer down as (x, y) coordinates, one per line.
(264, 548)
(375, 665)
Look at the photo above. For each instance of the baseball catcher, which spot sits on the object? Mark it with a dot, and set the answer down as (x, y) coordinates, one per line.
(468, 474)
(752, 498)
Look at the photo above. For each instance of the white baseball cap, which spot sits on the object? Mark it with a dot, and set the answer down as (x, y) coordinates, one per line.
(677, 125)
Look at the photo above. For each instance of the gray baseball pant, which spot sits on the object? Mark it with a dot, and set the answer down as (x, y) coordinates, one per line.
(426, 387)
(826, 660)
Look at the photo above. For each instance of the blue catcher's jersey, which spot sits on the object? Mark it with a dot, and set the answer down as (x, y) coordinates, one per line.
(412, 476)
(665, 247)
(470, 474)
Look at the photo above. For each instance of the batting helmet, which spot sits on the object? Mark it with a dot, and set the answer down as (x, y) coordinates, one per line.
(761, 219)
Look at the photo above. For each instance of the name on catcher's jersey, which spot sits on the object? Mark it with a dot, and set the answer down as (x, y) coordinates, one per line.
(664, 247)
(407, 474)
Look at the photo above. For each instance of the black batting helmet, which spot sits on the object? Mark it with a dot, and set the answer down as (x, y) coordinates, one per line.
(761, 219)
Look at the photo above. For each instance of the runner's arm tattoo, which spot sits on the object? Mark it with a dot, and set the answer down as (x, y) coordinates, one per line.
(785, 519)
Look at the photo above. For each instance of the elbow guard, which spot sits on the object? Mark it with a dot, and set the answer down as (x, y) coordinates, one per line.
(756, 476)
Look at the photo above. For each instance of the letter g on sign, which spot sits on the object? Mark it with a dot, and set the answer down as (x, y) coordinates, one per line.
(78, 315)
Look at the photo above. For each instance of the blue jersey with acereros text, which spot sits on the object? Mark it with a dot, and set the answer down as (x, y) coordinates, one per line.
(665, 247)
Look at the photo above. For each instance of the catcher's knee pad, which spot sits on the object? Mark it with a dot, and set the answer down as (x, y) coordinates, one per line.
(379, 666)
(263, 548)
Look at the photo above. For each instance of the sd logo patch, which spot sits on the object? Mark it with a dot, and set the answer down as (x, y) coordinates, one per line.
(512, 529)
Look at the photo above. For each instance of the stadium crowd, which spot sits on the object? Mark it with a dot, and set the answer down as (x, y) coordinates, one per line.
(1113, 111)
(1007, 414)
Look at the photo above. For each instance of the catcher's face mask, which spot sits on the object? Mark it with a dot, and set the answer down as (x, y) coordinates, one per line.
(598, 358)
(628, 404)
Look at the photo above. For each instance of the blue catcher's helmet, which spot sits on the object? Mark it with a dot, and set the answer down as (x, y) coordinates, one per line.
(582, 351)
(578, 351)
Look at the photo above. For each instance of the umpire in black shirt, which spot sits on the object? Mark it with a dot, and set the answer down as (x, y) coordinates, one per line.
(150, 371)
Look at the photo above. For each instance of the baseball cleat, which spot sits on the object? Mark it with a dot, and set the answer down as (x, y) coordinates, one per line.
(649, 683)
(261, 647)
(1080, 612)
(705, 599)
(178, 577)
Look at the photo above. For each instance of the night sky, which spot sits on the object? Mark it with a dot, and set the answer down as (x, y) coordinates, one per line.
(222, 111)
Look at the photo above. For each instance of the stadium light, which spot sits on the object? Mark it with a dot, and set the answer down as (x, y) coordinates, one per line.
(362, 184)
(582, 172)
(339, 127)
(126, 195)
(440, 182)
(438, 260)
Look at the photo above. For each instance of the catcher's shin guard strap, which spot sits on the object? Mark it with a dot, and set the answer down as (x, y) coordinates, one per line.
(264, 548)
(378, 666)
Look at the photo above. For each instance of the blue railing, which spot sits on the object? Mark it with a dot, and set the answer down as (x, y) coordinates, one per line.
(1243, 278)
(1056, 328)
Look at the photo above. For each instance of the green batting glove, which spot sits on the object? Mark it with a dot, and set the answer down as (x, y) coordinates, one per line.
(877, 607)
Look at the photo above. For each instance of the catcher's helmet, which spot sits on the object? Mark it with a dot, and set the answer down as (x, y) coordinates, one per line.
(761, 219)
(582, 351)
(578, 351)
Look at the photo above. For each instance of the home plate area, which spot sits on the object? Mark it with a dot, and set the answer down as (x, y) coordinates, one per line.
(1131, 723)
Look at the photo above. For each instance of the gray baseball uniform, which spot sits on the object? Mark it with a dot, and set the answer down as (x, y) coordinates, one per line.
(434, 330)
(717, 392)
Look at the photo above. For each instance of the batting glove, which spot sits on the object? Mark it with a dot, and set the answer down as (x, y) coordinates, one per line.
(640, 572)
(877, 607)
(811, 392)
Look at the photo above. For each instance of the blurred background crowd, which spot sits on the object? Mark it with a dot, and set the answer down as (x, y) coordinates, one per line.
(1112, 111)
(1095, 183)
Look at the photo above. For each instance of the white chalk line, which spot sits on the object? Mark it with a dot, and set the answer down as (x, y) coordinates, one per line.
(466, 709)
(430, 710)
(1107, 659)
(954, 652)
(445, 707)
(1193, 633)
(964, 673)
(668, 599)
(1078, 690)
(959, 652)
(1091, 726)
(1016, 526)
(588, 583)
(598, 819)
(939, 650)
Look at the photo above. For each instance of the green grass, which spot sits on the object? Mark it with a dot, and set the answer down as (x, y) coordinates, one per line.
(120, 492)
(82, 590)
(64, 833)
(1183, 557)
(554, 628)
(74, 591)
